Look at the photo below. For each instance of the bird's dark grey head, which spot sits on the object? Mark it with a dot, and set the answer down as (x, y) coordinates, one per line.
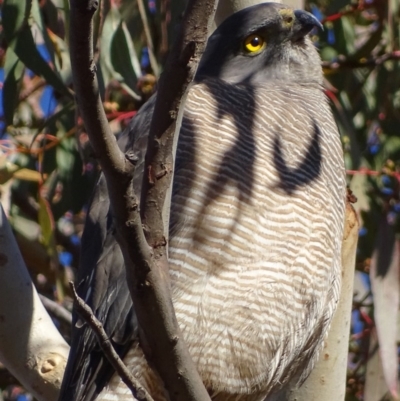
(267, 41)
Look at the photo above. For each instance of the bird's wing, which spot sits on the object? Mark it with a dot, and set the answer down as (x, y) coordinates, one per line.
(101, 281)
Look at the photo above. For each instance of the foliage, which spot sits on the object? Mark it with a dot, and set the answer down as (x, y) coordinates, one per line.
(360, 50)
(47, 169)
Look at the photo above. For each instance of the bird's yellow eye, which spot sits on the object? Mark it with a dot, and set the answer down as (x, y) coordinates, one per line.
(254, 43)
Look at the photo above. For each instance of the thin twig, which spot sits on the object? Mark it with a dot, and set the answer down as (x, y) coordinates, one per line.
(149, 40)
(56, 310)
(373, 173)
(35, 84)
(352, 9)
(138, 391)
(363, 63)
(165, 20)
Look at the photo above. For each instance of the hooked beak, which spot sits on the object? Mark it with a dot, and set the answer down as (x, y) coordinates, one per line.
(304, 23)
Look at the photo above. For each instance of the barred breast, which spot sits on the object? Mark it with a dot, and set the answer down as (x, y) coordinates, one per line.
(256, 228)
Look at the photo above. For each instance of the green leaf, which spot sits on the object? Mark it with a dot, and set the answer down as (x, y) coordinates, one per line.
(328, 53)
(36, 15)
(25, 48)
(18, 18)
(13, 72)
(391, 148)
(14, 16)
(29, 229)
(122, 55)
(62, 59)
(46, 221)
(65, 157)
(56, 46)
(54, 118)
(26, 174)
(51, 15)
(75, 183)
(10, 170)
(365, 50)
(118, 59)
(345, 35)
(66, 18)
(37, 20)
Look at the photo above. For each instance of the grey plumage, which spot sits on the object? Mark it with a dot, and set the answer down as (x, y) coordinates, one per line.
(256, 221)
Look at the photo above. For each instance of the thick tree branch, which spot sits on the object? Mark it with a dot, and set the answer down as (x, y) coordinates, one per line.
(147, 266)
(30, 346)
(178, 73)
(138, 391)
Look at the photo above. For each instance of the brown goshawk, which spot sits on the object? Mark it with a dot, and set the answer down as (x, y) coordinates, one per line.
(256, 222)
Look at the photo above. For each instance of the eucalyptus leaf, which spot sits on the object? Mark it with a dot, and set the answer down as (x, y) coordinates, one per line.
(13, 72)
(15, 14)
(46, 221)
(118, 59)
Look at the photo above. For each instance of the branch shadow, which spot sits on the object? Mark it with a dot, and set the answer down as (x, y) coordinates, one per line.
(237, 164)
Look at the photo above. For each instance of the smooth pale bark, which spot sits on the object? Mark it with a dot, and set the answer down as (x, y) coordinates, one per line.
(31, 347)
(376, 388)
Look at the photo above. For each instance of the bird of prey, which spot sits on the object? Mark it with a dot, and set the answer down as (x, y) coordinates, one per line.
(256, 226)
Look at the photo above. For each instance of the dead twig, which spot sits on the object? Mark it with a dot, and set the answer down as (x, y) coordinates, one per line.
(344, 63)
(149, 40)
(85, 311)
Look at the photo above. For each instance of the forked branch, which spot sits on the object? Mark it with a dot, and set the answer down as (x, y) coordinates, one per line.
(145, 258)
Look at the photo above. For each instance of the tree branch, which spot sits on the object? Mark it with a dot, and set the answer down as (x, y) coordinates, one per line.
(149, 40)
(31, 347)
(341, 64)
(138, 391)
(58, 311)
(147, 266)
